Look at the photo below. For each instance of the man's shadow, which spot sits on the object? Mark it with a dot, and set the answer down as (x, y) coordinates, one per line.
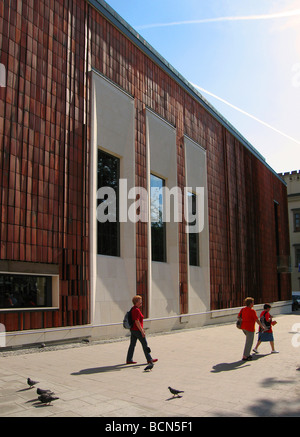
(226, 367)
(114, 368)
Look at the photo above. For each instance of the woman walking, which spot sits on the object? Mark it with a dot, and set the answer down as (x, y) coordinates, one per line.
(266, 335)
(137, 332)
(249, 318)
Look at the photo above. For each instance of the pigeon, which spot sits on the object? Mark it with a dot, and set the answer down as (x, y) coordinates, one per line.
(31, 383)
(46, 398)
(149, 367)
(41, 391)
(175, 392)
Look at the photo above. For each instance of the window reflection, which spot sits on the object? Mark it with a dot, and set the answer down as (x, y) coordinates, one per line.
(158, 226)
(25, 291)
(193, 237)
(109, 232)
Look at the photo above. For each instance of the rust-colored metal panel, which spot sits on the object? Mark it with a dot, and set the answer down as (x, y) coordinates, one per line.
(44, 148)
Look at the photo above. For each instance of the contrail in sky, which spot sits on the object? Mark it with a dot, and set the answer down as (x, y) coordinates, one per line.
(285, 14)
(246, 113)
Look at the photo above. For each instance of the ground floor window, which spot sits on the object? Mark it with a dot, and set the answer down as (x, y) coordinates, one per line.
(25, 291)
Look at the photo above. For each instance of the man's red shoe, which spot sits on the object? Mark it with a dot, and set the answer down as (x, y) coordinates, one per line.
(131, 362)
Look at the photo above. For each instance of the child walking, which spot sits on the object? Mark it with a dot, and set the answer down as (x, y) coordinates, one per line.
(264, 336)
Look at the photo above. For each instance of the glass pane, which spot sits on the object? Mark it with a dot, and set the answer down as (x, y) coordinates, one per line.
(158, 226)
(109, 232)
(193, 237)
(297, 221)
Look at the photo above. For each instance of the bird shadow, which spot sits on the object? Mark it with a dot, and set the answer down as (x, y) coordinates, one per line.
(40, 405)
(36, 403)
(114, 368)
(25, 389)
(235, 365)
(173, 397)
(31, 400)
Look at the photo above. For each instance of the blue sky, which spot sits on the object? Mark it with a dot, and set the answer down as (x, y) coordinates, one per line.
(246, 53)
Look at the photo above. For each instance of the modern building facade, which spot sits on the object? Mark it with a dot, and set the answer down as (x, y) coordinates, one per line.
(292, 180)
(89, 106)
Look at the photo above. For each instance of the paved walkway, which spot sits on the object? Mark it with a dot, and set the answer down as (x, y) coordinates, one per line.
(92, 380)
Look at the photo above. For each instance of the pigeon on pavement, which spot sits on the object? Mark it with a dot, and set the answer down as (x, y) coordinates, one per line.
(41, 391)
(175, 392)
(149, 367)
(46, 398)
(31, 383)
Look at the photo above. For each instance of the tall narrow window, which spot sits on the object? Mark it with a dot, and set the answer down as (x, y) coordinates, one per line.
(194, 259)
(297, 255)
(296, 220)
(109, 231)
(158, 226)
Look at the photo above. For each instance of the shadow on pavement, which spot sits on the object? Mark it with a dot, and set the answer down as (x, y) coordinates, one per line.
(226, 367)
(116, 367)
